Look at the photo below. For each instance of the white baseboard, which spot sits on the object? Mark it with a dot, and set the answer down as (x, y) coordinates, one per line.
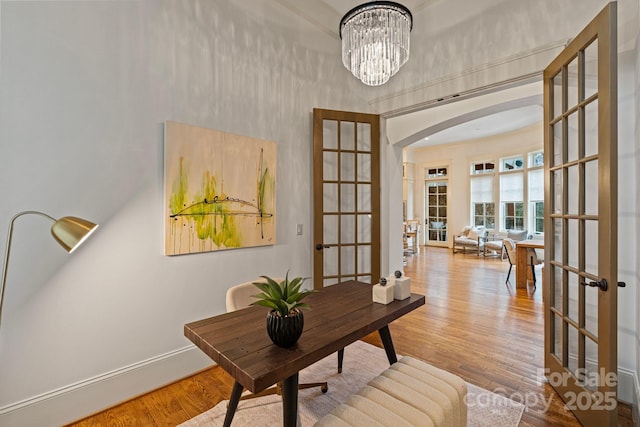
(75, 401)
(636, 402)
(627, 385)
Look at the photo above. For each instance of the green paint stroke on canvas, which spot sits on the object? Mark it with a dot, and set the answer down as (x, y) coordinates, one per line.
(213, 213)
(180, 187)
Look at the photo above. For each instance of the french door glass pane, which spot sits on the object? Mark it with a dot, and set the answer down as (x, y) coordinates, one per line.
(347, 198)
(557, 239)
(330, 197)
(557, 144)
(364, 167)
(573, 293)
(591, 184)
(591, 128)
(572, 244)
(572, 346)
(364, 137)
(330, 165)
(591, 247)
(364, 259)
(364, 228)
(591, 69)
(572, 190)
(572, 83)
(557, 192)
(347, 167)
(330, 229)
(348, 260)
(330, 260)
(347, 135)
(591, 364)
(347, 229)
(329, 134)
(557, 96)
(572, 137)
(364, 197)
(591, 311)
(557, 336)
(556, 289)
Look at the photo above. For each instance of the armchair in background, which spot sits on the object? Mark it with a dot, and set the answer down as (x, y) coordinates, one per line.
(470, 238)
(495, 244)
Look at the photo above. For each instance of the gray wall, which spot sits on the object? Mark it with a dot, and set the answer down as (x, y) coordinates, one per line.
(86, 87)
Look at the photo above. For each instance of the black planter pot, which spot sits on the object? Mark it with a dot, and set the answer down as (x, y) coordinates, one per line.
(285, 331)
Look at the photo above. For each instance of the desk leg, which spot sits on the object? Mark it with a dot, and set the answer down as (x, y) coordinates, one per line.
(385, 336)
(290, 401)
(521, 267)
(233, 403)
(340, 359)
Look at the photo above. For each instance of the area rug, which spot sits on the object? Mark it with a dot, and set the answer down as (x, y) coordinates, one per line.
(362, 362)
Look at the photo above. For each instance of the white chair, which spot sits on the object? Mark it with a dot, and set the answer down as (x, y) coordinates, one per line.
(239, 297)
(494, 246)
(510, 248)
(532, 258)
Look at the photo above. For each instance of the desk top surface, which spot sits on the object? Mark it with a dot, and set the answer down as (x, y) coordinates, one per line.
(536, 244)
(339, 315)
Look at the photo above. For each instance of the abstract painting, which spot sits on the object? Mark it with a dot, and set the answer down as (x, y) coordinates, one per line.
(220, 190)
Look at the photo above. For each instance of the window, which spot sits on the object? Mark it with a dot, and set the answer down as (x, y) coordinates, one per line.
(482, 167)
(512, 201)
(536, 193)
(482, 204)
(484, 215)
(512, 163)
(436, 172)
(537, 215)
(536, 159)
(513, 215)
(508, 194)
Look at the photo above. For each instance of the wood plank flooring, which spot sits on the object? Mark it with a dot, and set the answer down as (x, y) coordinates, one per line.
(473, 324)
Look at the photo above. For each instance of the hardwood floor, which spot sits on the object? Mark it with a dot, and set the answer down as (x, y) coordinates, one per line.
(473, 324)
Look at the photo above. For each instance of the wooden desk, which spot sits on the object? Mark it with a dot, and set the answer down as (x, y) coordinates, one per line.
(339, 315)
(523, 271)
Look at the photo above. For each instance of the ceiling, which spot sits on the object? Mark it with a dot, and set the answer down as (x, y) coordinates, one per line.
(483, 127)
(326, 15)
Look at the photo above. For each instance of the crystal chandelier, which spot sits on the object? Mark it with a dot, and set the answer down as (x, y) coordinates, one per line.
(375, 40)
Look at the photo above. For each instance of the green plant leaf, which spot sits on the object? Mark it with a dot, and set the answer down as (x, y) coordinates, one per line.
(283, 297)
(266, 303)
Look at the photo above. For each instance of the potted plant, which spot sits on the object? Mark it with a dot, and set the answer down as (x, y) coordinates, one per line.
(285, 320)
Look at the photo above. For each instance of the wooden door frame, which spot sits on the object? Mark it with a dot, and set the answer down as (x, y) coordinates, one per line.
(605, 27)
(376, 256)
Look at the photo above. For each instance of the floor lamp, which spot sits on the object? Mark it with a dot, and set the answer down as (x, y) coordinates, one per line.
(69, 232)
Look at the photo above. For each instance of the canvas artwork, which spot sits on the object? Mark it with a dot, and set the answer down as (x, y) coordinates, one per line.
(220, 190)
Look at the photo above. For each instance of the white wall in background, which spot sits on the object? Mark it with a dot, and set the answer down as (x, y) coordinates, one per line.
(86, 87)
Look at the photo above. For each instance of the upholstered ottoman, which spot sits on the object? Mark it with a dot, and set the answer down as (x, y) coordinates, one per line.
(409, 393)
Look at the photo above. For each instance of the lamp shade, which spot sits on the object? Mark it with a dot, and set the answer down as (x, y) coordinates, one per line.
(71, 231)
